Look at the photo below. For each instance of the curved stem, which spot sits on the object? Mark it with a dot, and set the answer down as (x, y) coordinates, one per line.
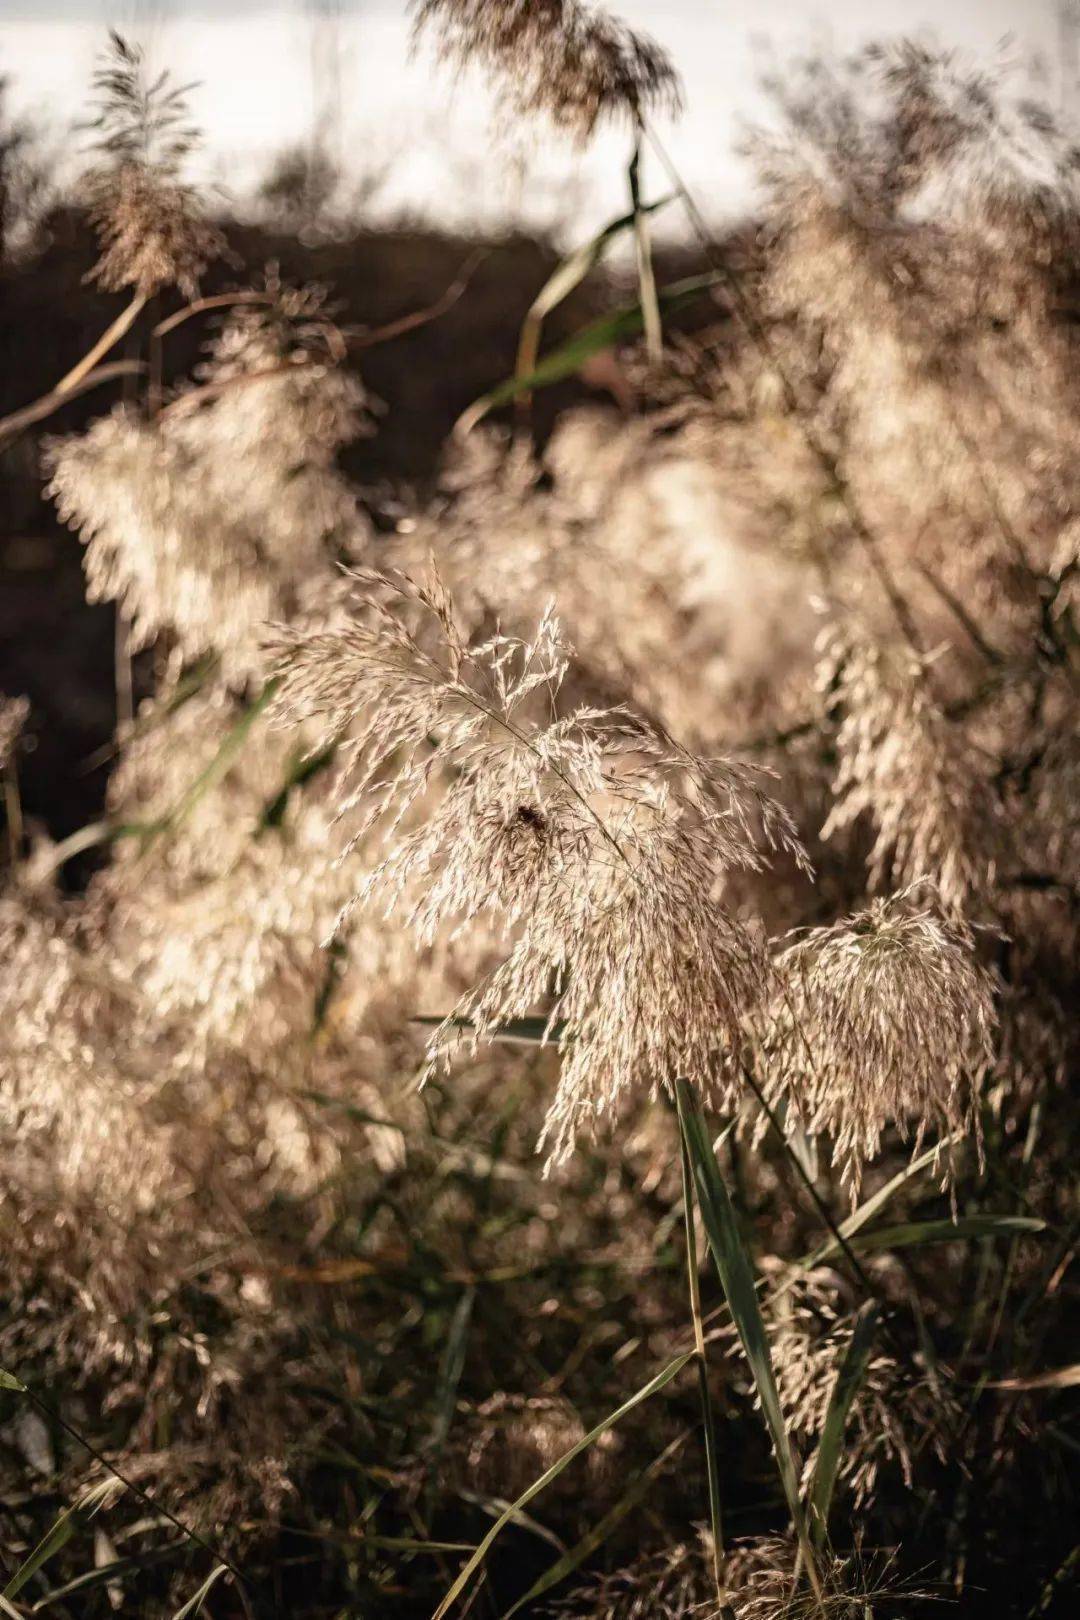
(52, 401)
(108, 340)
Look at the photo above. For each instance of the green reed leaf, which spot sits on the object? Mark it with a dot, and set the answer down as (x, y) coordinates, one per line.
(830, 1449)
(655, 1384)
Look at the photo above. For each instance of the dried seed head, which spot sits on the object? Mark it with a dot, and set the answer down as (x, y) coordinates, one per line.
(560, 57)
(513, 1439)
(765, 1583)
(907, 771)
(151, 228)
(886, 1019)
(592, 839)
(216, 517)
(671, 1583)
(897, 1409)
(152, 233)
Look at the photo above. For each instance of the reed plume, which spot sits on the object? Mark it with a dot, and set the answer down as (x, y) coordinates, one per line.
(887, 1018)
(568, 60)
(592, 838)
(151, 226)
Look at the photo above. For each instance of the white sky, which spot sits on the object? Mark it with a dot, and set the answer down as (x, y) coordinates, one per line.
(261, 82)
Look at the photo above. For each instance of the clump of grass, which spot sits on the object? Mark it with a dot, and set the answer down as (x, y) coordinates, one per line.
(346, 1341)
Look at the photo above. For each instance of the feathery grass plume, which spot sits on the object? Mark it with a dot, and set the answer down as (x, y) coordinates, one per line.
(908, 772)
(898, 1409)
(592, 838)
(914, 240)
(226, 510)
(130, 1276)
(762, 1573)
(14, 713)
(887, 1018)
(657, 553)
(677, 1582)
(222, 922)
(151, 228)
(66, 1082)
(974, 154)
(511, 1440)
(572, 61)
(670, 1583)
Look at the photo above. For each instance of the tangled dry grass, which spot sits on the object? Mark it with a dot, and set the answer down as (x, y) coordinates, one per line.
(729, 751)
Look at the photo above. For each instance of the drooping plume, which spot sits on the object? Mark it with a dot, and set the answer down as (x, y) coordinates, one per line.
(571, 61)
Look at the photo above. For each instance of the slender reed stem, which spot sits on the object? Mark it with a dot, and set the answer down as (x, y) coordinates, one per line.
(650, 305)
(13, 811)
(123, 679)
(108, 340)
(11, 426)
(708, 1422)
(155, 1506)
(819, 1203)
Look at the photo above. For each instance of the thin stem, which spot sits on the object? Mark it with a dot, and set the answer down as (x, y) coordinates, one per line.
(819, 1203)
(123, 679)
(218, 767)
(202, 305)
(708, 1423)
(148, 832)
(650, 306)
(556, 770)
(420, 317)
(108, 340)
(961, 615)
(12, 425)
(13, 811)
(193, 397)
(162, 329)
(147, 1500)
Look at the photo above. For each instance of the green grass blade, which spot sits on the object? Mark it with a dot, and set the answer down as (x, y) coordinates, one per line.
(60, 1533)
(831, 1441)
(740, 1288)
(9, 1381)
(912, 1234)
(876, 1202)
(712, 1463)
(598, 1534)
(56, 1537)
(570, 356)
(567, 275)
(451, 1368)
(197, 1599)
(655, 1384)
(105, 1573)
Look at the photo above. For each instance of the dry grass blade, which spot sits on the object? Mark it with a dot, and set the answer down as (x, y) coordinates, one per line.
(877, 1201)
(569, 357)
(661, 1379)
(194, 1603)
(1059, 1378)
(575, 1556)
(570, 273)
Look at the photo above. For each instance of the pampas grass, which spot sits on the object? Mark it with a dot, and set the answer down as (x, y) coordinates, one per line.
(725, 753)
